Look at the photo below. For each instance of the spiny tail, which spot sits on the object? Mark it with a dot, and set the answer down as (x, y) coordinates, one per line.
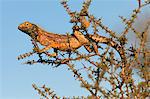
(101, 39)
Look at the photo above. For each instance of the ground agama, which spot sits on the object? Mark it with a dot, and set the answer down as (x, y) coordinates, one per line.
(62, 42)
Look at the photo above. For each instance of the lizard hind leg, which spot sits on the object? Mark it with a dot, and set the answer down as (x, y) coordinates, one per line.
(88, 48)
(93, 48)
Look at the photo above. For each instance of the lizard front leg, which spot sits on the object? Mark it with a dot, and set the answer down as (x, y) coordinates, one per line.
(36, 49)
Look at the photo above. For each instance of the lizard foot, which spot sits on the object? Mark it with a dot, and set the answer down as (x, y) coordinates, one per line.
(35, 49)
(52, 55)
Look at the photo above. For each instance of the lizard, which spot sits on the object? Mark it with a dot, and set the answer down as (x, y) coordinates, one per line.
(63, 42)
(52, 40)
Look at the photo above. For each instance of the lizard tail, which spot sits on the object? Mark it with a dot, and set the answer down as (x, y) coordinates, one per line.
(101, 39)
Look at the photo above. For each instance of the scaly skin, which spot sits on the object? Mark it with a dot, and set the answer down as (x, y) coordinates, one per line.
(51, 40)
(64, 42)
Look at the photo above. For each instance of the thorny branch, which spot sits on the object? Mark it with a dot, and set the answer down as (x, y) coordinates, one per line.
(105, 67)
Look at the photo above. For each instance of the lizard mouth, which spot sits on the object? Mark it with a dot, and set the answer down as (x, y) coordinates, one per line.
(21, 28)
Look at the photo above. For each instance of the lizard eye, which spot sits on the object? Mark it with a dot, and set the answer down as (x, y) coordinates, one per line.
(27, 24)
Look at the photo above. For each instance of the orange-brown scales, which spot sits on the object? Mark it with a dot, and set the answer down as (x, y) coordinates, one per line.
(63, 42)
(52, 40)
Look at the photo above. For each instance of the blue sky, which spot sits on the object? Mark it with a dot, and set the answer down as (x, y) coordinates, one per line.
(16, 79)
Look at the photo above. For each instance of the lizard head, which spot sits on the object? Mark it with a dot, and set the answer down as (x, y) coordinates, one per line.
(28, 28)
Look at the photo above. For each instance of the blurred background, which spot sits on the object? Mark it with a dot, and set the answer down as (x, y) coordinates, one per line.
(15, 78)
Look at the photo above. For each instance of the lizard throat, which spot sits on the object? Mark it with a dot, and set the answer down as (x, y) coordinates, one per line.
(33, 33)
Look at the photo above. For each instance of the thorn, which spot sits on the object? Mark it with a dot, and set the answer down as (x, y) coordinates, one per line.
(139, 2)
